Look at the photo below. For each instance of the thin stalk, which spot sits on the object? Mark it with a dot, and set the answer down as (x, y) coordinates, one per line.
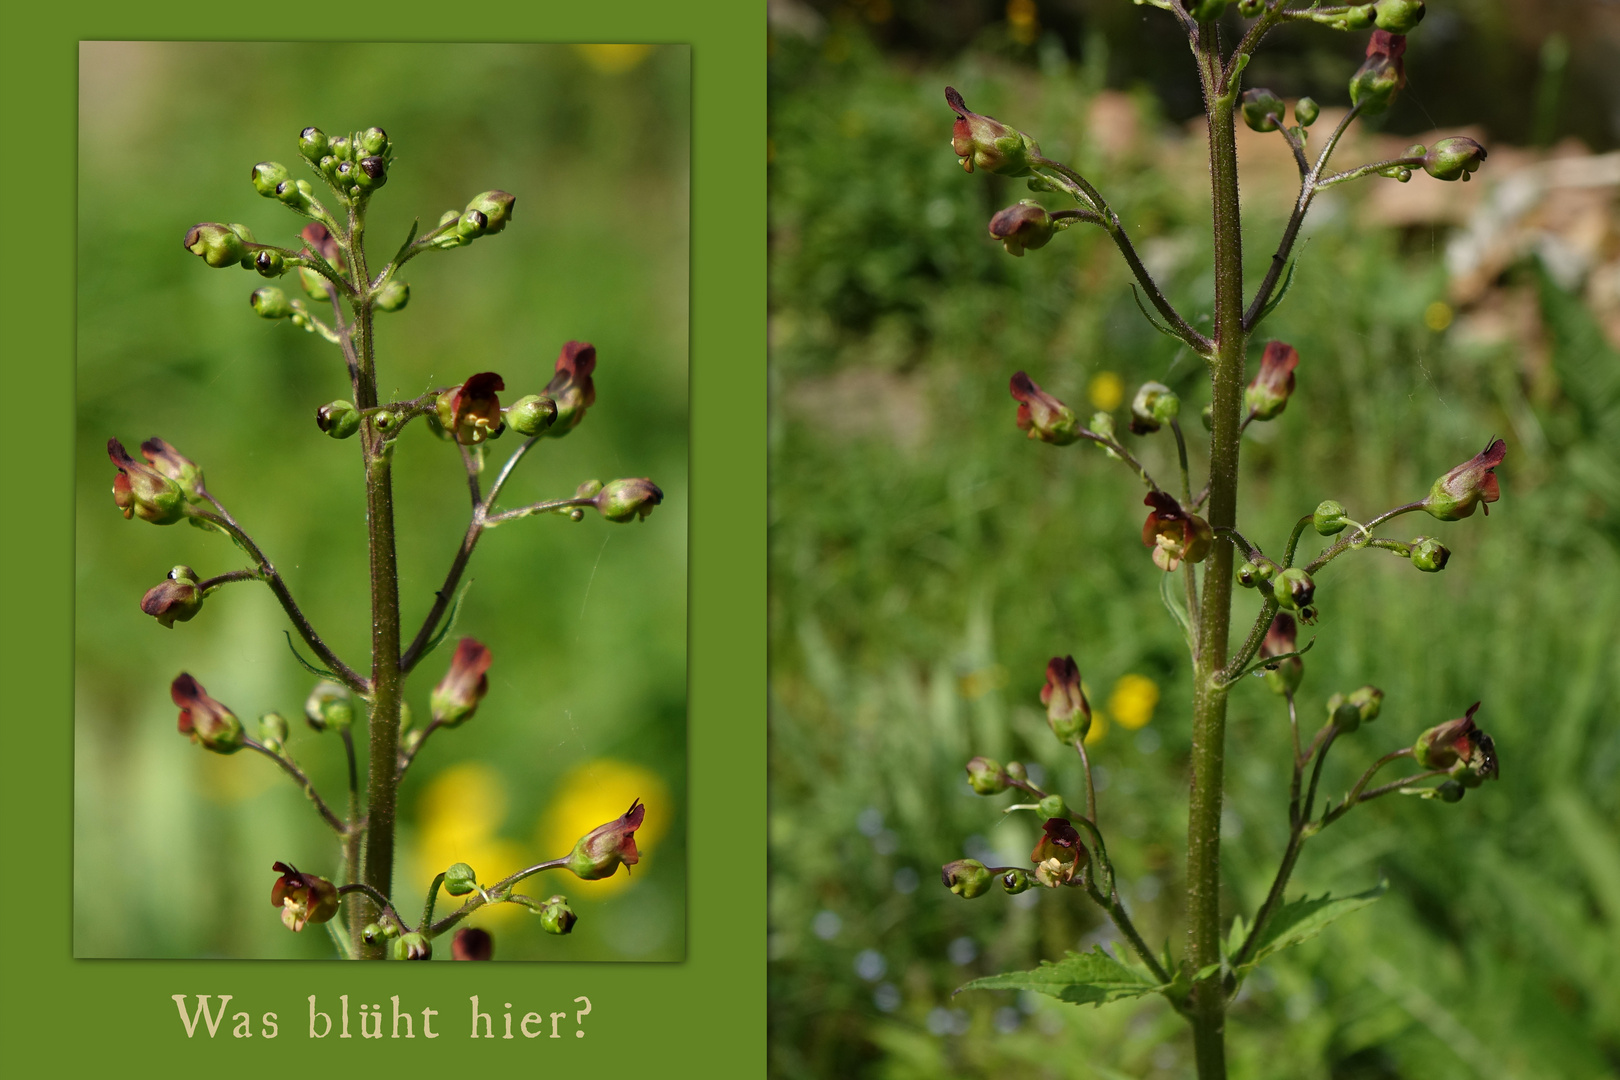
(1091, 790)
(303, 781)
(491, 895)
(351, 839)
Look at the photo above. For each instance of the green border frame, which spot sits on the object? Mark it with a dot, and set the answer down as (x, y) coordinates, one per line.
(704, 1017)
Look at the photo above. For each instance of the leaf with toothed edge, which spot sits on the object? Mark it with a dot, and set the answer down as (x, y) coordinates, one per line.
(1091, 978)
(1305, 918)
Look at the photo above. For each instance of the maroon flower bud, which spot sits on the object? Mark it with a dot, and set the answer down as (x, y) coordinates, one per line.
(323, 243)
(496, 207)
(1024, 226)
(1374, 84)
(1058, 853)
(1460, 746)
(302, 898)
(967, 878)
(1042, 415)
(204, 719)
(1173, 533)
(171, 463)
(1068, 713)
(987, 143)
(600, 851)
(174, 600)
(1473, 483)
(1282, 638)
(142, 491)
(471, 412)
(1455, 158)
(1267, 395)
(471, 943)
(628, 500)
(571, 387)
(456, 697)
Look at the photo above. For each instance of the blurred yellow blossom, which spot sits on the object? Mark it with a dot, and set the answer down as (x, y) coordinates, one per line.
(614, 59)
(1437, 316)
(1133, 701)
(593, 794)
(459, 815)
(1106, 390)
(1099, 726)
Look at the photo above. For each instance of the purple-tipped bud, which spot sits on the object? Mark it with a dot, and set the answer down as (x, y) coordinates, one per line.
(601, 851)
(1430, 555)
(1024, 226)
(1042, 415)
(1471, 484)
(456, 697)
(1294, 589)
(986, 143)
(174, 600)
(1267, 395)
(571, 388)
(205, 720)
(556, 917)
(1068, 713)
(1455, 158)
(218, 245)
(987, 777)
(967, 878)
(1374, 84)
(140, 490)
(1282, 638)
(628, 500)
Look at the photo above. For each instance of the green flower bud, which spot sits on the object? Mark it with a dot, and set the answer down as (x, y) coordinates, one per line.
(1430, 555)
(556, 917)
(269, 264)
(1369, 700)
(176, 599)
(474, 223)
(329, 705)
(1052, 806)
(448, 216)
(967, 878)
(339, 419)
(217, 244)
(986, 776)
(1206, 416)
(531, 415)
(628, 500)
(1024, 226)
(413, 946)
(472, 943)
(1306, 110)
(296, 194)
(1343, 715)
(1473, 483)
(205, 720)
(1329, 518)
(266, 175)
(1398, 16)
(460, 880)
(328, 166)
(313, 144)
(1374, 84)
(1205, 10)
(273, 731)
(1252, 573)
(1262, 109)
(371, 174)
(270, 302)
(1294, 589)
(455, 699)
(377, 933)
(393, 296)
(1356, 18)
(1451, 791)
(374, 140)
(343, 148)
(495, 206)
(1455, 158)
(1016, 771)
(599, 853)
(1154, 406)
(988, 143)
(1015, 881)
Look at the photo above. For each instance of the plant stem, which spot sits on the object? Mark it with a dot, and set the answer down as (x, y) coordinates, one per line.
(1207, 1004)
(351, 839)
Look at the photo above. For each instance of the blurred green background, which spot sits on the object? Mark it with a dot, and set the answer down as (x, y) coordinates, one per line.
(926, 559)
(586, 708)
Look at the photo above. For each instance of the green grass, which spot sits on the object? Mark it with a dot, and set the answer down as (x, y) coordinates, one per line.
(926, 560)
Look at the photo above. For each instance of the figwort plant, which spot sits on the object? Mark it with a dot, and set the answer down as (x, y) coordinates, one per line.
(1189, 527)
(166, 488)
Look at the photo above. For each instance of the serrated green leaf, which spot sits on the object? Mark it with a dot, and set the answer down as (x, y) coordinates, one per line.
(1304, 919)
(1079, 978)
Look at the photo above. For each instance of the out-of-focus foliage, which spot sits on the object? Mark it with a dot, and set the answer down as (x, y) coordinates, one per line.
(927, 559)
(586, 708)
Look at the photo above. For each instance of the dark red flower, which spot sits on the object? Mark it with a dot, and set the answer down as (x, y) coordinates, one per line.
(571, 387)
(1458, 745)
(1173, 533)
(1267, 395)
(323, 243)
(456, 697)
(1042, 415)
(1471, 484)
(302, 898)
(471, 412)
(600, 851)
(471, 943)
(176, 599)
(1058, 853)
(204, 719)
(988, 143)
(1024, 226)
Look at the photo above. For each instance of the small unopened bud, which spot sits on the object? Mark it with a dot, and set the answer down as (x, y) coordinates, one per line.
(987, 143)
(1017, 771)
(1294, 589)
(266, 175)
(1455, 158)
(343, 148)
(1329, 518)
(1253, 572)
(273, 731)
(1267, 395)
(986, 776)
(413, 946)
(556, 917)
(216, 244)
(1154, 406)
(1398, 16)
(1250, 8)
(269, 302)
(628, 500)
(1205, 10)
(1451, 791)
(460, 880)
(472, 943)
(456, 698)
(140, 490)
(1283, 676)
(1024, 226)
(1042, 415)
(1369, 700)
(496, 208)
(1430, 555)
(1068, 713)
(1262, 109)
(1342, 714)
(205, 720)
(329, 705)
(1306, 110)
(967, 878)
(313, 144)
(1015, 880)
(374, 140)
(393, 296)
(176, 599)
(531, 415)
(269, 264)
(600, 852)
(1473, 483)
(371, 173)
(1052, 806)
(1374, 84)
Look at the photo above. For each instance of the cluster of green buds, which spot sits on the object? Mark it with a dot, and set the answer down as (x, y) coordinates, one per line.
(353, 165)
(1347, 712)
(486, 214)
